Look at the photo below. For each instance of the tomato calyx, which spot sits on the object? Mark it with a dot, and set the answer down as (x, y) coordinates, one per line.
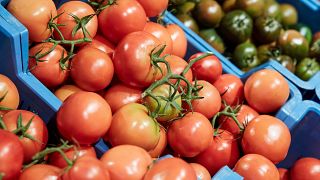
(100, 5)
(21, 130)
(315, 49)
(3, 108)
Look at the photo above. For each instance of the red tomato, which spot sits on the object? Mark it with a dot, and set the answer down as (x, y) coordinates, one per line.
(103, 44)
(81, 10)
(36, 130)
(132, 59)
(284, 174)
(11, 155)
(201, 172)
(34, 15)
(208, 68)
(267, 136)
(131, 124)
(230, 88)
(92, 69)
(305, 169)
(266, 90)
(40, 172)
(255, 166)
(210, 104)
(190, 135)
(154, 7)
(120, 94)
(65, 91)
(48, 69)
(177, 65)
(122, 18)
(171, 168)
(179, 40)
(222, 151)
(126, 162)
(84, 118)
(9, 95)
(162, 144)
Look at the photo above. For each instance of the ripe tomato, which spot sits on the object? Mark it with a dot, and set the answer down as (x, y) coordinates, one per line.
(11, 155)
(210, 104)
(131, 124)
(92, 69)
(305, 169)
(222, 151)
(201, 172)
(161, 33)
(230, 88)
(41, 172)
(132, 59)
(84, 118)
(190, 135)
(177, 65)
(255, 166)
(171, 168)
(179, 40)
(36, 130)
(9, 95)
(120, 94)
(65, 91)
(162, 144)
(284, 174)
(266, 90)
(34, 15)
(208, 68)
(79, 9)
(154, 7)
(103, 44)
(48, 69)
(126, 162)
(130, 17)
(267, 136)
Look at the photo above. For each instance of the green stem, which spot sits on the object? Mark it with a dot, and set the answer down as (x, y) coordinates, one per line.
(192, 61)
(2, 124)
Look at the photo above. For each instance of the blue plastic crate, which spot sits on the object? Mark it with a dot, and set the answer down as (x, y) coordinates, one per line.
(317, 93)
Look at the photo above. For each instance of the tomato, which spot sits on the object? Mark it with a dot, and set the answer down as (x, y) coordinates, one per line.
(79, 9)
(126, 162)
(208, 68)
(188, 21)
(92, 69)
(222, 151)
(305, 169)
(131, 124)
(130, 17)
(57, 160)
(102, 44)
(47, 69)
(268, 136)
(212, 37)
(208, 13)
(307, 68)
(65, 91)
(266, 90)
(171, 168)
(11, 155)
(120, 94)
(201, 172)
(255, 166)
(230, 88)
(132, 59)
(41, 172)
(245, 56)
(161, 33)
(289, 14)
(154, 7)
(177, 65)
(34, 15)
(283, 173)
(179, 40)
(162, 144)
(244, 116)
(9, 95)
(84, 118)
(253, 7)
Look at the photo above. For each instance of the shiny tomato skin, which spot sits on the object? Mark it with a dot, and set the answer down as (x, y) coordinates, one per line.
(201, 172)
(65, 91)
(11, 155)
(92, 69)
(179, 39)
(266, 90)
(208, 68)
(126, 162)
(84, 118)
(102, 44)
(41, 172)
(48, 71)
(305, 169)
(177, 65)
(9, 94)
(162, 144)
(255, 166)
(284, 174)
(130, 17)
(154, 7)
(268, 136)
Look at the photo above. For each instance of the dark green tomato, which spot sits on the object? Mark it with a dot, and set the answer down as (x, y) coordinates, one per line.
(186, 8)
(208, 13)
(253, 7)
(315, 49)
(304, 30)
(272, 9)
(229, 5)
(267, 52)
(289, 15)
(177, 2)
(245, 56)
(287, 62)
(292, 43)
(236, 26)
(211, 36)
(189, 22)
(307, 68)
(266, 29)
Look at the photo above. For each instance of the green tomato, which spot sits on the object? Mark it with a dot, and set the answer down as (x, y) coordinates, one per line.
(189, 22)
(208, 13)
(289, 14)
(287, 62)
(211, 36)
(229, 5)
(272, 9)
(315, 49)
(307, 68)
(245, 56)
(186, 8)
(267, 52)
(304, 30)
(253, 7)
(266, 29)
